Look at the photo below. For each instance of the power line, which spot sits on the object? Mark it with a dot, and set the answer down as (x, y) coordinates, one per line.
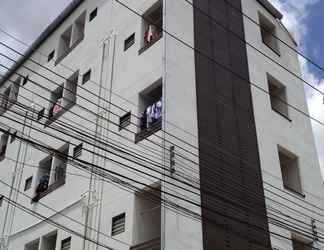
(35, 144)
(52, 222)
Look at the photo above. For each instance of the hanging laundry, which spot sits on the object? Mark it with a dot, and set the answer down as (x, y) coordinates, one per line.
(148, 115)
(150, 34)
(152, 114)
(158, 110)
(58, 106)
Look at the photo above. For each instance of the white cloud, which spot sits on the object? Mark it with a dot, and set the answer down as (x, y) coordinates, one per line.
(296, 14)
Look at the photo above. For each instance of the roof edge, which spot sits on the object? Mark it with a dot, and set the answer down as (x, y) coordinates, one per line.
(42, 38)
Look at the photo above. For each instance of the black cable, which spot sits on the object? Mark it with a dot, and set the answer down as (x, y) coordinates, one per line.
(35, 144)
(52, 222)
(141, 183)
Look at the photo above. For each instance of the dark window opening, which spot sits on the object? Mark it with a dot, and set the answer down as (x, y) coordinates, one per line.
(152, 26)
(278, 96)
(3, 145)
(93, 14)
(77, 151)
(66, 244)
(125, 120)
(86, 76)
(150, 103)
(71, 37)
(28, 183)
(51, 56)
(301, 245)
(268, 34)
(290, 170)
(51, 173)
(118, 224)
(129, 42)
(63, 98)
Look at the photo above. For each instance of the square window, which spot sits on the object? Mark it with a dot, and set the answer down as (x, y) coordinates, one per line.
(28, 183)
(93, 14)
(86, 76)
(289, 170)
(66, 244)
(64, 43)
(150, 109)
(129, 42)
(118, 224)
(268, 34)
(125, 120)
(63, 98)
(278, 96)
(77, 151)
(51, 56)
(152, 25)
(78, 29)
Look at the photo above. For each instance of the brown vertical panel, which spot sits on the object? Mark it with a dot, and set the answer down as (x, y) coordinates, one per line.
(230, 125)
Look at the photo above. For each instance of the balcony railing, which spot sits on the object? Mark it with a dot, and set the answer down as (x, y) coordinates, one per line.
(156, 126)
(154, 244)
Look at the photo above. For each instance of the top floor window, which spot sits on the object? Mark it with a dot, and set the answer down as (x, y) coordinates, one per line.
(152, 26)
(269, 34)
(71, 37)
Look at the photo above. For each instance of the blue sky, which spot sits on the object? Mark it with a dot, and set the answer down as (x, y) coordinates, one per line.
(315, 38)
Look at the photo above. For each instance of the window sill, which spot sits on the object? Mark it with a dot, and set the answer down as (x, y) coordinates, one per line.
(148, 132)
(273, 50)
(294, 192)
(49, 190)
(142, 50)
(283, 115)
(76, 43)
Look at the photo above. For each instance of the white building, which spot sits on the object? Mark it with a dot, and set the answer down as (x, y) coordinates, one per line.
(227, 159)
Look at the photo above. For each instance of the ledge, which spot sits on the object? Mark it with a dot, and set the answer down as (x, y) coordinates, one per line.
(283, 115)
(76, 43)
(142, 50)
(295, 192)
(272, 49)
(50, 189)
(148, 132)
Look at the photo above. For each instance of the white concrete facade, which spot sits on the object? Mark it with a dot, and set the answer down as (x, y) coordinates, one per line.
(119, 80)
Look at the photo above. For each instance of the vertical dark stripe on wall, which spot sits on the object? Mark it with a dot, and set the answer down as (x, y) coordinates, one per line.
(226, 119)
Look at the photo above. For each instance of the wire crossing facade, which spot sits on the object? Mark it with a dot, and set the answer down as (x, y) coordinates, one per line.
(159, 124)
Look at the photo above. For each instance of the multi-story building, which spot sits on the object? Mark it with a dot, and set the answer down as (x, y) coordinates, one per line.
(159, 124)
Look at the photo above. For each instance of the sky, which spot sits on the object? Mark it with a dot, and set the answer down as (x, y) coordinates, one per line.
(304, 18)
